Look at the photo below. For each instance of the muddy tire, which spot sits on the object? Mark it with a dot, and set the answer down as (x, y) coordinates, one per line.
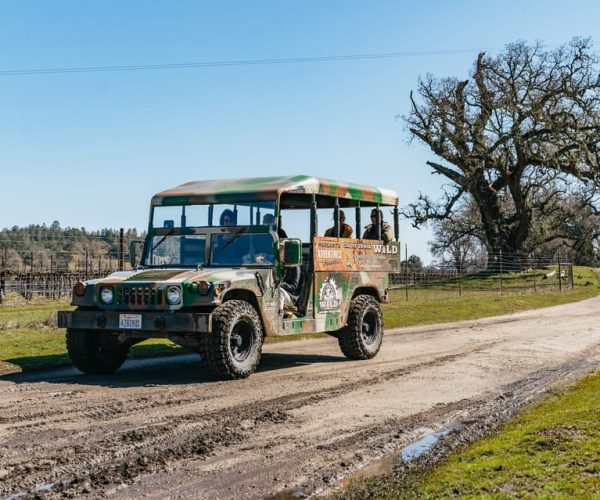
(234, 347)
(95, 352)
(362, 336)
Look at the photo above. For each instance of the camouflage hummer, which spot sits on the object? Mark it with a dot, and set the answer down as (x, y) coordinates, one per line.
(211, 266)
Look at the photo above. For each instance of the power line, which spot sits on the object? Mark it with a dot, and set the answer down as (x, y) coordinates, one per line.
(247, 62)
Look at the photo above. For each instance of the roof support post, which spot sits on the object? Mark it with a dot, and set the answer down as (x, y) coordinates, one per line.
(183, 218)
(358, 233)
(336, 217)
(378, 222)
(396, 224)
(314, 220)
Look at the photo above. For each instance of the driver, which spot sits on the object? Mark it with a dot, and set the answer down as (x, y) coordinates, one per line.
(228, 247)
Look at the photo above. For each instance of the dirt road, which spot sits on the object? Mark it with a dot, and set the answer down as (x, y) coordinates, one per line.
(306, 419)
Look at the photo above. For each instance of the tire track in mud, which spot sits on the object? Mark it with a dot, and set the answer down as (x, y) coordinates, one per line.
(113, 456)
(100, 410)
(347, 452)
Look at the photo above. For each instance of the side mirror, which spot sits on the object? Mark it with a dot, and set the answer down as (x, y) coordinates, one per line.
(135, 253)
(290, 252)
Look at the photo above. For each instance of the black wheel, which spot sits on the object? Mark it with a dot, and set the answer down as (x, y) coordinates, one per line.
(95, 352)
(234, 347)
(362, 336)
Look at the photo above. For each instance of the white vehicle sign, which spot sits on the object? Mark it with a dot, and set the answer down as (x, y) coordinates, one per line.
(130, 321)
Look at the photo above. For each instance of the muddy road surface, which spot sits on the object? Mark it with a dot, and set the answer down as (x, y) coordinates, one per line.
(307, 419)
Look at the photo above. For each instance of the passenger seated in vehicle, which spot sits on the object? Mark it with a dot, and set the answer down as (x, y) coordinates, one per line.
(289, 291)
(269, 220)
(227, 218)
(371, 231)
(229, 248)
(345, 229)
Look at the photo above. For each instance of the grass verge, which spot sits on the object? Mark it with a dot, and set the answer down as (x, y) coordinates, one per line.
(551, 450)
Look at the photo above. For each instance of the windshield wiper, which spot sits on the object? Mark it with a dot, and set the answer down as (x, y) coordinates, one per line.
(233, 238)
(168, 233)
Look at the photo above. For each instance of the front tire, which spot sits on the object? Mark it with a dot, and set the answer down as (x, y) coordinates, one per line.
(95, 352)
(362, 336)
(234, 347)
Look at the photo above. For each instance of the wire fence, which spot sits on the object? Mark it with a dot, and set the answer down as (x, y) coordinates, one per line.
(41, 279)
(494, 273)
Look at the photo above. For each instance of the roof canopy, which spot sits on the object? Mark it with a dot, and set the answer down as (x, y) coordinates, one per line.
(291, 191)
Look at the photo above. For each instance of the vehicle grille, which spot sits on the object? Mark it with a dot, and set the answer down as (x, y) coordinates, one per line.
(139, 296)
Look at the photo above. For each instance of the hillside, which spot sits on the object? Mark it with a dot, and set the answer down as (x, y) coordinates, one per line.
(42, 247)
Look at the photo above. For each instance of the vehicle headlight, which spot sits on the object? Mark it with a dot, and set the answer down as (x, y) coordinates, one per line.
(173, 295)
(106, 294)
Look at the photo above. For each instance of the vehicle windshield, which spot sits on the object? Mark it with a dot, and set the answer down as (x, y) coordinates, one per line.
(242, 249)
(233, 249)
(175, 250)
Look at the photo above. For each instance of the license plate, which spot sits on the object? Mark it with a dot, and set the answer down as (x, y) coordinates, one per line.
(130, 321)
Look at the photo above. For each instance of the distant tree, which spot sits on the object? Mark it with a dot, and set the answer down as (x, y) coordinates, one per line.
(576, 226)
(414, 263)
(511, 138)
(40, 247)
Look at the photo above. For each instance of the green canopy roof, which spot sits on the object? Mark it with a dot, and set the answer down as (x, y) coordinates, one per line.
(290, 188)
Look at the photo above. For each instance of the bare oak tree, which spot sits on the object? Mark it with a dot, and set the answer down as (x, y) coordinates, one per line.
(511, 138)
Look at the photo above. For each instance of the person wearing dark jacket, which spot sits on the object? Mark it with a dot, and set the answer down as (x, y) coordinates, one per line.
(289, 290)
(371, 232)
(269, 220)
(345, 229)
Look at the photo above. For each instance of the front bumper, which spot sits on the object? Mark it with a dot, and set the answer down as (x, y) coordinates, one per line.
(151, 321)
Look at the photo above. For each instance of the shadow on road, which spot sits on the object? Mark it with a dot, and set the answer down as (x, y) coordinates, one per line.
(169, 370)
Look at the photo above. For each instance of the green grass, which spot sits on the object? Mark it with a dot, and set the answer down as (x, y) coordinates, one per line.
(429, 304)
(551, 450)
(41, 313)
(30, 340)
(26, 348)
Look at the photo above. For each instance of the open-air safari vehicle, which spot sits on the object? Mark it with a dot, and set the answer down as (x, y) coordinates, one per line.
(210, 270)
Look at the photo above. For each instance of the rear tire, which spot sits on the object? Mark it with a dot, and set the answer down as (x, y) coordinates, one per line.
(362, 336)
(95, 352)
(233, 349)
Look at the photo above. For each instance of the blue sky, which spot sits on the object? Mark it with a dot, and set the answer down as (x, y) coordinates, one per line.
(90, 149)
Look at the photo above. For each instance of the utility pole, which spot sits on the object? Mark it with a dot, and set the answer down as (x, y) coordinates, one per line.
(121, 249)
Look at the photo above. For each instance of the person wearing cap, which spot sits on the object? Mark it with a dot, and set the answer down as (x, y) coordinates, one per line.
(345, 229)
(371, 232)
